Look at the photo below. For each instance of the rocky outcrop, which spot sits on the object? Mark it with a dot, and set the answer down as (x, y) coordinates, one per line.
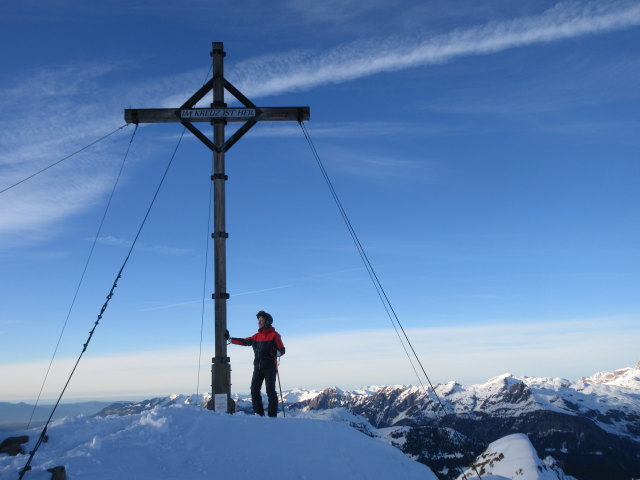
(58, 473)
(13, 445)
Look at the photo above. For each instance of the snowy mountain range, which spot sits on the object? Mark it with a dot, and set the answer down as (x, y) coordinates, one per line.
(14, 416)
(510, 427)
(590, 427)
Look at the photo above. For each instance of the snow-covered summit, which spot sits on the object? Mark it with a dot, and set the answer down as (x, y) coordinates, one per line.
(625, 377)
(513, 456)
(182, 441)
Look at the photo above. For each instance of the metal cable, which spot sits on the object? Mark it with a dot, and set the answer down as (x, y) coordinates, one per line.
(63, 159)
(206, 261)
(374, 278)
(27, 466)
(360, 249)
(84, 271)
(204, 287)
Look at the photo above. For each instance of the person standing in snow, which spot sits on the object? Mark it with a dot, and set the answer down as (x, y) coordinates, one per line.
(267, 347)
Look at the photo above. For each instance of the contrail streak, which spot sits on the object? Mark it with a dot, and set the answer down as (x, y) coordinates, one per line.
(305, 70)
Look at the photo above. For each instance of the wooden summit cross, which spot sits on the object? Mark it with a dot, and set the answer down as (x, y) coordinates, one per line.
(218, 115)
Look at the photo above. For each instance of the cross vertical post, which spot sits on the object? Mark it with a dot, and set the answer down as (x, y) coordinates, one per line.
(218, 116)
(220, 365)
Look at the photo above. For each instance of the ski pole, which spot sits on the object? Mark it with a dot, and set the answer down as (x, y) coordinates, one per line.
(280, 385)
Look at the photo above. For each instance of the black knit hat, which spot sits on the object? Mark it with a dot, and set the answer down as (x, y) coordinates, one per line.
(268, 319)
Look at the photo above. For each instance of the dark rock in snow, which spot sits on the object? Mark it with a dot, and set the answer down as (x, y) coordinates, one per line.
(58, 473)
(12, 445)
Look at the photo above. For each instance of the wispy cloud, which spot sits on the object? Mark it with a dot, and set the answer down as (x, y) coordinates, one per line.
(114, 241)
(293, 282)
(380, 166)
(172, 305)
(347, 129)
(44, 202)
(301, 70)
(165, 249)
(36, 133)
(564, 83)
(64, 81)
(199, 302)
(251, 292)
(46, 120)
(331, 11)
(125, 243)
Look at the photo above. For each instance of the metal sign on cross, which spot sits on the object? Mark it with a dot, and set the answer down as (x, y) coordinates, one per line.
(218, 115)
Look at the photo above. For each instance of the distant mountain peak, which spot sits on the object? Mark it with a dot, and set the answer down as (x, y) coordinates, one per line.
(502, 378)
(625, 377)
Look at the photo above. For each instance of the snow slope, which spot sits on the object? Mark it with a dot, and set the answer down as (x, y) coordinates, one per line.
(186, 441)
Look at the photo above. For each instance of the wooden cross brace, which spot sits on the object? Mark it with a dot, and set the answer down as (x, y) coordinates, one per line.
(219, 113)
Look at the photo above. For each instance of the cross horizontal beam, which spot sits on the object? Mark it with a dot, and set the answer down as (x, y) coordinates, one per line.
(261, 114)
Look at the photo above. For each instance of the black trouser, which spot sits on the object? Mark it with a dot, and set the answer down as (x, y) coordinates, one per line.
(268, 375)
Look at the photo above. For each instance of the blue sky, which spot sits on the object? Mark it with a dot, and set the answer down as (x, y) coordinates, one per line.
(487, 154)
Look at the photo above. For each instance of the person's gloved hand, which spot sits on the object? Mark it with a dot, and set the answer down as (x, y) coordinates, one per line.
(226, 334)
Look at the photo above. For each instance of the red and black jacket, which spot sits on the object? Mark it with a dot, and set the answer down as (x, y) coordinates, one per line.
(266, 345)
